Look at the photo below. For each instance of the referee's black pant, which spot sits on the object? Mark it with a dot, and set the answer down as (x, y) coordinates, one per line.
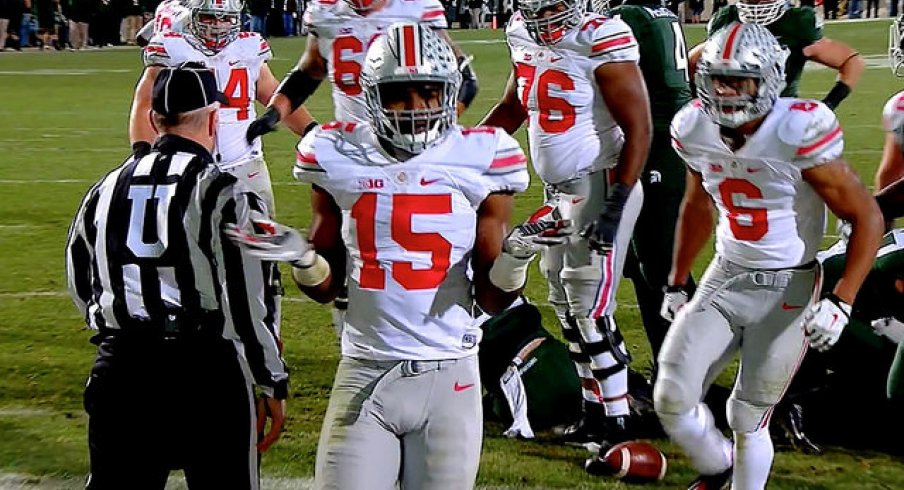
(159, 404)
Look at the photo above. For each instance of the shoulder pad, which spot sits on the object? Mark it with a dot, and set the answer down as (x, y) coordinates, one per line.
(893, 113)
(251, 45)
(685, 122)
(606, 39)
(433, 14)
(506, 168)
(812, 128)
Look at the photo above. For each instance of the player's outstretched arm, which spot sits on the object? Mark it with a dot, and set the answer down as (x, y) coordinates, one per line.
(300, 121)
(840, 56)
(326, 238)
(508, 113)
(469, 87)
(492, 225)
(694, 227)
(292, 92)
(141, 132)
(842, 191)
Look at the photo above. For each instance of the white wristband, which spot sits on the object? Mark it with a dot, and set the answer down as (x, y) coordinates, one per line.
(509, 273)
(312, 275)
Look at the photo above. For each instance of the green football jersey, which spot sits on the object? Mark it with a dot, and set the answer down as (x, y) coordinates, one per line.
(796, 29)
(878, 297)
(663, 58)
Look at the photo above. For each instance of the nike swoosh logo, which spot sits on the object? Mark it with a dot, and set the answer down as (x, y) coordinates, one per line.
(786, 306)
(233, 63)
(754, 170)
(553, 59)
(459, 387)
(253, 174)
(577, 200)
(428, 182)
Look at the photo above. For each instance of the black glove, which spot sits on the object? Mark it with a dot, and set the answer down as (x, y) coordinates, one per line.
(265, 123)
(601, 232)
(141, 149)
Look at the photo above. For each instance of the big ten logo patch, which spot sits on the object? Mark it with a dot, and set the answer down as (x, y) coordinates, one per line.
(368, 184)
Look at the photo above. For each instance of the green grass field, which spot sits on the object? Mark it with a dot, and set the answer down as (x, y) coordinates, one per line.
(63, 124)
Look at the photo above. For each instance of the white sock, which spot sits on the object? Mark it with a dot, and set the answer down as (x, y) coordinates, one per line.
(753, 459)
(696, 433)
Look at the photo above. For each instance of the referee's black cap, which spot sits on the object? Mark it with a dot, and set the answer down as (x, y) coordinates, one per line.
(185, 88)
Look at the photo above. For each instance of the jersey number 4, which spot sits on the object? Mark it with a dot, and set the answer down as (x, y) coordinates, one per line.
(746, 223)
(236, 92)
(556, 115)
(404, 206)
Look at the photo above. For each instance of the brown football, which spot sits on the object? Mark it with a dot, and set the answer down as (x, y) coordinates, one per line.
(636, 461)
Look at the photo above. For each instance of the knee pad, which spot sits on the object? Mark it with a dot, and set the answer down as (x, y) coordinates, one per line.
(600, 338)
(670, 396)
(747, 416)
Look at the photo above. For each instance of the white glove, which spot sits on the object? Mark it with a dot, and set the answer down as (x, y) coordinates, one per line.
(843, 229)
(675, 298)
(528, 239)
(824, 321)
(890, 328)
(269, 240)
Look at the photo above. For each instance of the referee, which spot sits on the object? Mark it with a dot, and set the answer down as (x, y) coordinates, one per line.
(182, 330)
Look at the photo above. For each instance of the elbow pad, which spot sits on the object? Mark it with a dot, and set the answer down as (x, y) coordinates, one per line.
(468, 90)
(297, 86)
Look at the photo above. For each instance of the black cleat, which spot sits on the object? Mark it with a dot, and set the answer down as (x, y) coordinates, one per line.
(712, 482)
(615, 430)
(589, 429)
(597, 467)
(790, 420)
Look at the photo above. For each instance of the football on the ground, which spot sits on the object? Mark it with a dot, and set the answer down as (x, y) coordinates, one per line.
(635, 461)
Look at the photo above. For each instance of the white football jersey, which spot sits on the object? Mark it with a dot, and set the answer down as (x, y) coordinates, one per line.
(570, 128)
(893, 117)
(343, 37)
(237, 68)
(769, 217)
(409, 228)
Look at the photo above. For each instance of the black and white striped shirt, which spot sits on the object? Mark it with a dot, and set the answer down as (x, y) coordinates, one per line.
(146, 247)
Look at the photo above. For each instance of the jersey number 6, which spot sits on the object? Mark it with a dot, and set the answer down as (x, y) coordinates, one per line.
(748, 224)
(404, 206)
(547, 104)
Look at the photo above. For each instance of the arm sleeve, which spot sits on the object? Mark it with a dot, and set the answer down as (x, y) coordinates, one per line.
(155, 53)
(611, 42)
(507, 171)
(434, 15)
(681, 130)
(307, 168)
(244, 303)
(80, 253)
(893, 117)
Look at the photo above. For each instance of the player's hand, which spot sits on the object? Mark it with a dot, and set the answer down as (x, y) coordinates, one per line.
(824, 322)
(275, 410)
(890, 328)
(601, 232)
(528, 239)
(265, 123)
(675, 298)
(268, 240)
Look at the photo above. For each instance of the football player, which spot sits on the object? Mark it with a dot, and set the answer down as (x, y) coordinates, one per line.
(239, 60)
(576, 83)
(663, 62)
(768, 165)
(797, 29)
(171, 15)
(411, 210)
(891, 168)
(341, 32)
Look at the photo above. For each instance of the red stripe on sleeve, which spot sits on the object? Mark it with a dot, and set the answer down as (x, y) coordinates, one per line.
(819, 143)
(611, 43)
(511, 161)
(432, 14)
(306, 158)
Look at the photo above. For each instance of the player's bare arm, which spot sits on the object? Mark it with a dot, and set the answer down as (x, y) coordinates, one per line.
(695, 226)
(837, 55)
(625, 93)
(140, 128)
(326, 238)
(692, 56)
(843, 193)
(291, 93)
(508, 113)
(492, 227)
(299, 121)
(891, 168)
